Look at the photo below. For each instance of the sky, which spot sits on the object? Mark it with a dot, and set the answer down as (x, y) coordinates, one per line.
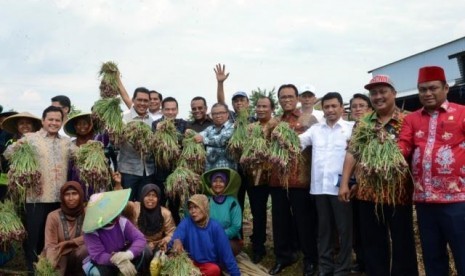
(49, 48)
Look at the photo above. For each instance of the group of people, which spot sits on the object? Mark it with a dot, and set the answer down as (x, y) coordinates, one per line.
(322, 211)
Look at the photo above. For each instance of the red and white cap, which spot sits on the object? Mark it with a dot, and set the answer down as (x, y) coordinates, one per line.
(380, 79)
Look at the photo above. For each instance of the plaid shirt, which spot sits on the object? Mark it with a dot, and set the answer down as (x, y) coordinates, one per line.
(216, 140)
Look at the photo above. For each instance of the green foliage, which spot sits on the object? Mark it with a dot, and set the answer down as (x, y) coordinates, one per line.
(256, 94)
(74, 111)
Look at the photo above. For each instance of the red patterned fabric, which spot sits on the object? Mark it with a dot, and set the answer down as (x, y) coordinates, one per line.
(435, 144)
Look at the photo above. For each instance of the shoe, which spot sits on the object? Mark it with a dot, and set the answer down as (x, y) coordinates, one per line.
(257, 257)
(277, 268)
(357, 268)
(310, 269)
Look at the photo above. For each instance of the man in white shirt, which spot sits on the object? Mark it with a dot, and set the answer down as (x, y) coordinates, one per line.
(64, 103)
(307, 99)
(329, 141)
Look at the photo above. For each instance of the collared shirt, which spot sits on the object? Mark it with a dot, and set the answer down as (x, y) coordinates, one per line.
(299, 176)
(129, 160)
(156, 115)
(403, 195)
(199, 126)
(328, 150)
(216, 140)
(53, 154)
(436, 144)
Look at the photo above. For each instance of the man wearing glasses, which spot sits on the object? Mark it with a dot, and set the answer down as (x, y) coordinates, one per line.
(216, 137)
(199, 113)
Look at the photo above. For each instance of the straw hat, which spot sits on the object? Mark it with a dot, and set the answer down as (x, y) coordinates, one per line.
(10, 124)
(69, 124)
(232, 187)
(8, 113)
(104, 207)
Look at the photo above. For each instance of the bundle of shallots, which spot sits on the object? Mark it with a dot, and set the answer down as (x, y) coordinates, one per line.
(381, 163)
(180, 264)
(139, 135)
(285, 149)
(24, 172)
(239, 136)
(193, 154)
(165, 145)
(182, 184)
(93, 166)
(45, 267)
(108, 112)
(11, 228)
(256, 155)
(109, 84)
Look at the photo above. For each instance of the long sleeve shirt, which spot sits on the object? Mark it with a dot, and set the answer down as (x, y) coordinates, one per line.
(206, 245)
(329, 146)
(53, 154)
(129, 160)
(228, 214)
(299, 175)
(216, 140)
(435, 143)
(121, 236)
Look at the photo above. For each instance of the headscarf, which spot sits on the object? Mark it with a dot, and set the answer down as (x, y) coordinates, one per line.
(201, 201)
(79, 209)
(219, 198)
(150, 221)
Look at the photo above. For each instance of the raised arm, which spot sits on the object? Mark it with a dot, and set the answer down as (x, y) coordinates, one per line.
(123, 93)
(220, 78)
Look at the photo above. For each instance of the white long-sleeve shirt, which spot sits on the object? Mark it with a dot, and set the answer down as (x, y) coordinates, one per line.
(328, 152)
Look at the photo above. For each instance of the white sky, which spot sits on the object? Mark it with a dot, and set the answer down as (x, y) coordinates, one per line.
(56, 47)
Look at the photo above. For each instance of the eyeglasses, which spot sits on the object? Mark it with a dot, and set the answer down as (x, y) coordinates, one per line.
(219, 113)
(197, 108)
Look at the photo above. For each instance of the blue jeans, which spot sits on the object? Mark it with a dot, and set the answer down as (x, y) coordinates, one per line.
(439, 225)
(136, 183)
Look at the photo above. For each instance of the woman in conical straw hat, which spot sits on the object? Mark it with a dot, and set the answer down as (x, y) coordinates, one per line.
(113, 242)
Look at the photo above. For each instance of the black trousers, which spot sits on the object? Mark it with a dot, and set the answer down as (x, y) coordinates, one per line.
(441, 225)
(258, 198)
(387, 239)
(36, 216)
(334, 216)
(294, 218)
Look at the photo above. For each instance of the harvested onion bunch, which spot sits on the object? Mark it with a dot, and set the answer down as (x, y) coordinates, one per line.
(11, 228)
(239, 136)
(109, 84)
(93, 167)
(165, 145)
(24, 175)
(139, 135)
(44, 267)
(193, 154)
(180, 264)
(256, 155)
(285, 149)
(381, 164)
(182, 184)
(108, 112)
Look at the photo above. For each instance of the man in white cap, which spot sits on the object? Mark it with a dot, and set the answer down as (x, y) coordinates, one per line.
(307, 99)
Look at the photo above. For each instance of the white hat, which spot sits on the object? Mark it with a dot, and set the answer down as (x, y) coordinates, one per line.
(307, 88)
